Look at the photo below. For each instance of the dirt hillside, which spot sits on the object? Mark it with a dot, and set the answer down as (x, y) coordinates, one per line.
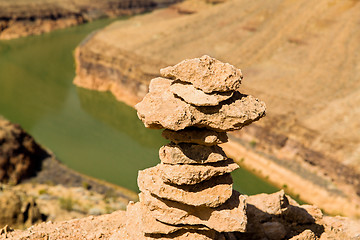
(301, 58)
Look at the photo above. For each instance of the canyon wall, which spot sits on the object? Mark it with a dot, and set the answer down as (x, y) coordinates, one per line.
(299, 57)
(21, 18)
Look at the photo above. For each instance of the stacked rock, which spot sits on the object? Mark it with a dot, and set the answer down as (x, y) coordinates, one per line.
(189, 195)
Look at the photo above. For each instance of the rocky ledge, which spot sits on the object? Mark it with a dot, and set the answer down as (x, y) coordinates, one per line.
(19, 18)
(270, 217)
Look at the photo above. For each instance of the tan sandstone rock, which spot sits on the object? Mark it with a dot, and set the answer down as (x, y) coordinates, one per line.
(274, 204)
(211, 193)
(200, 136)
(193, 174)
(134, 229)
(305, 235)
(191, 154)
(194, 96)
(149, 225)
(229, 217)
(161, 109)
(205, 73)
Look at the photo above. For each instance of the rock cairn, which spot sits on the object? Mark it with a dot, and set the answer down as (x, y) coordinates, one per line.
(189, 195)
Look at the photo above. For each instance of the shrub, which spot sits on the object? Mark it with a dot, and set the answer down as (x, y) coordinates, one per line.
(66, 203)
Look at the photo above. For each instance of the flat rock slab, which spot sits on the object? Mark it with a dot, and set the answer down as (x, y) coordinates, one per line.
(229, 217)
(161, 109)
(205, 73)
(211, 193)
(149, 225)
(134, 230)
(184, 153)
(194, 96)
(200, 136)
(194, 174)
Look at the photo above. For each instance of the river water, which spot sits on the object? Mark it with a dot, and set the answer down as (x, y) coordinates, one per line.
(88, 131)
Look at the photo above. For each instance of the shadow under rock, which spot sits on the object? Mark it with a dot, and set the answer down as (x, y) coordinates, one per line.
(291, 222)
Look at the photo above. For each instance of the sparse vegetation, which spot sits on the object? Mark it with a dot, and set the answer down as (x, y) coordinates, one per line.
(86, 185)
(110, 194)
(67, 203)
(109, 209)
(43, 191)
(252, 143)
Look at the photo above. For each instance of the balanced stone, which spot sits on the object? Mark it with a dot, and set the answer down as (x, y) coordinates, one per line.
(134, 229)
(185, 153)
(229, 217)
(193, 174)
(161, 109)
(149, 225)
(205, 73)
(211, 193)
(200, 136)
(189, 195)
(190, 94)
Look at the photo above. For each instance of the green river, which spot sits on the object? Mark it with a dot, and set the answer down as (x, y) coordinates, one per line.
(88, 131)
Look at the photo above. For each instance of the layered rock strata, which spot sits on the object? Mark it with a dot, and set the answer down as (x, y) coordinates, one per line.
(19, 18)
(189, 195)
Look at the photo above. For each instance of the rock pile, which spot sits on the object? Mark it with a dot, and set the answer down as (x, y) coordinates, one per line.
(189, 195)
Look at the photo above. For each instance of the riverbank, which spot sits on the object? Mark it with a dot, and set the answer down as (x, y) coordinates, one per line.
(21, 18)
(323, 151)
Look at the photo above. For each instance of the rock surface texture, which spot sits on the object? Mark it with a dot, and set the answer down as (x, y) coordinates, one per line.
(189, 195)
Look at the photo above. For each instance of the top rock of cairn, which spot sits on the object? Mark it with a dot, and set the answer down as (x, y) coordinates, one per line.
(200, 92)
(205, 73)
